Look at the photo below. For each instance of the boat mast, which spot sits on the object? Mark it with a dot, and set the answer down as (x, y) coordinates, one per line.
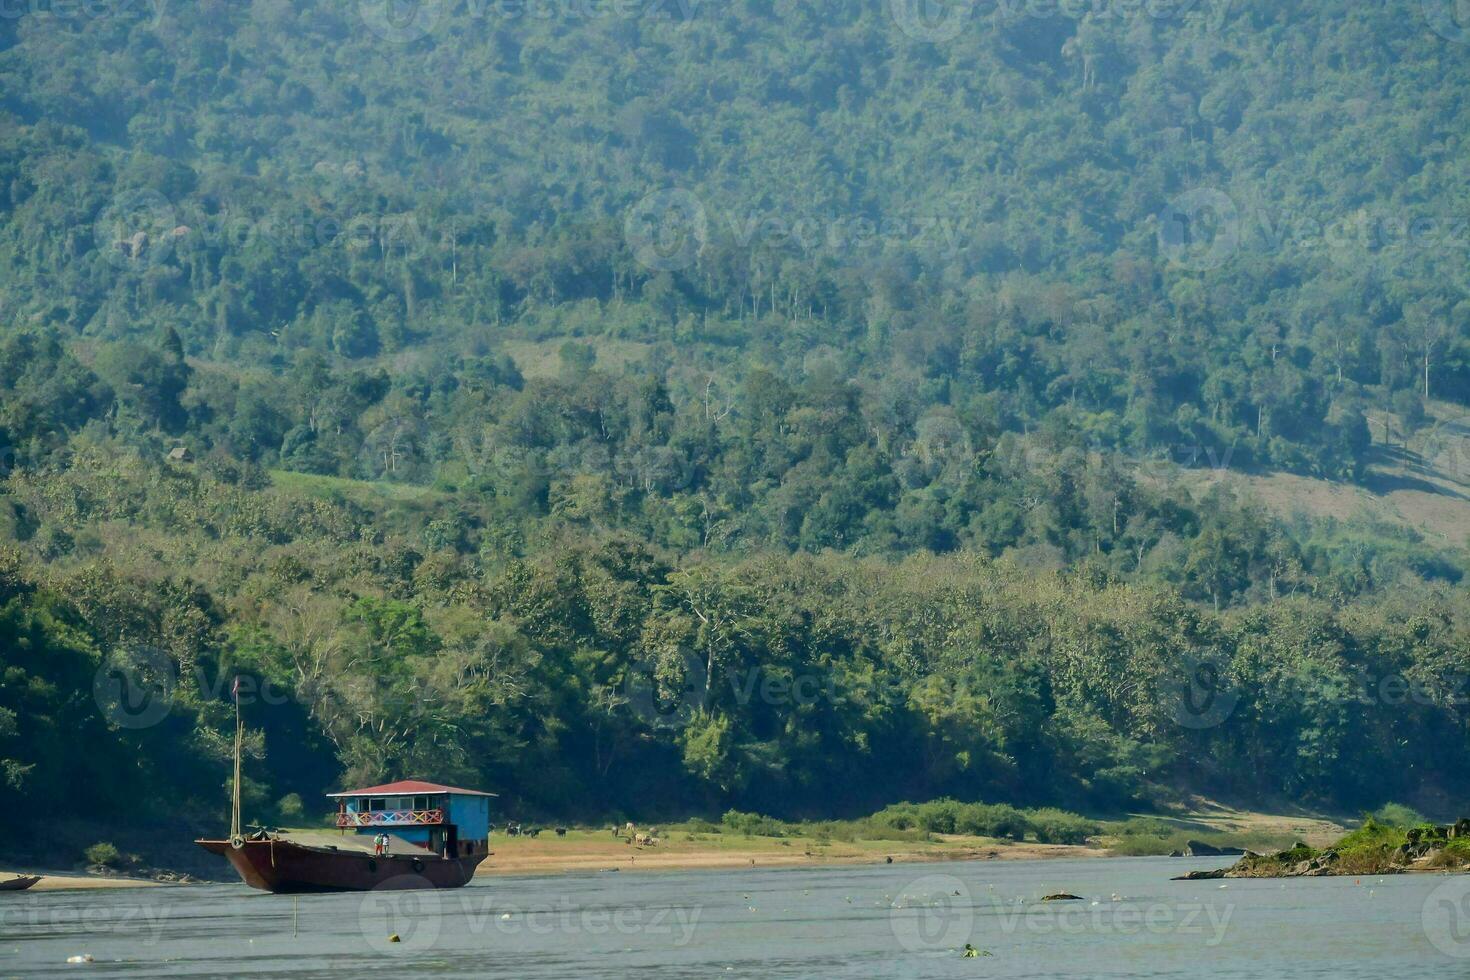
(235, 787)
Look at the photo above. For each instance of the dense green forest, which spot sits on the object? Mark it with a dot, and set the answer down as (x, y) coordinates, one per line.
(652, 409)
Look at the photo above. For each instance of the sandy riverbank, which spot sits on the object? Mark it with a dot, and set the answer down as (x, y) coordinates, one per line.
(582, 851)
(52, 883)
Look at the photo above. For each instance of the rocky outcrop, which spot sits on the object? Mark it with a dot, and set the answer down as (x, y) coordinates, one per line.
(1196, 848)
(1424, 849)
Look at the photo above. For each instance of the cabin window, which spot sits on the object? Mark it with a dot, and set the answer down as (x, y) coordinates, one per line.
(421, 803)
(377, 804)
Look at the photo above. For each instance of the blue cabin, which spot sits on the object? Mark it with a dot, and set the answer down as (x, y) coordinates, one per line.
(446, 820)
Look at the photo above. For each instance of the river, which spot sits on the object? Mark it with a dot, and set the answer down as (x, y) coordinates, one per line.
(860, 922)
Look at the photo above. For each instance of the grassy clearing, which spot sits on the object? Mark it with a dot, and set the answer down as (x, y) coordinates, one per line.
(542, 358)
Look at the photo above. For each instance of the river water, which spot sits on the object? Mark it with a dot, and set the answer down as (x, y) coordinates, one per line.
(860, 922)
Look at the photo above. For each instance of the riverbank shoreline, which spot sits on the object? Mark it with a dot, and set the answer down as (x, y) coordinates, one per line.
(683, 848)
(588, 852)
(582, 851)
(54, 882)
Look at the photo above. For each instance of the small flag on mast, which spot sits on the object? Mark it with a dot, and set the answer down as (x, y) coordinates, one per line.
(235, 689)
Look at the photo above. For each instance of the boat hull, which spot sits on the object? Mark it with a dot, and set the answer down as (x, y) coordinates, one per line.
(283, 867)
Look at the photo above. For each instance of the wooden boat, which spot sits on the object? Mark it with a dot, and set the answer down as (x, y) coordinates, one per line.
(408, 834)
(293, 863)
(19, 884)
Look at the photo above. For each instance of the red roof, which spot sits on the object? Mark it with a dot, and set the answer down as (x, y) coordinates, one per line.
(409, 787)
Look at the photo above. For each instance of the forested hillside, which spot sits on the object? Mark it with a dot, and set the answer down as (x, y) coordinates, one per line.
(539, 360)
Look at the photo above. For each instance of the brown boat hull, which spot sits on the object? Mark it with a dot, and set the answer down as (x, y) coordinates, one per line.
(285, 868)
(19, 884)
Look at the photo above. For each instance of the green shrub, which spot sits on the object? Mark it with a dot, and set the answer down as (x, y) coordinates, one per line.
(1397, 815)
(993, 820)
(899, 816)
(104, 854)
(1053, 826)
(290, 808)
(753, 824)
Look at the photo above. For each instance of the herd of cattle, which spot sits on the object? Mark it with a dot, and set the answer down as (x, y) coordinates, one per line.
(629, 832)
